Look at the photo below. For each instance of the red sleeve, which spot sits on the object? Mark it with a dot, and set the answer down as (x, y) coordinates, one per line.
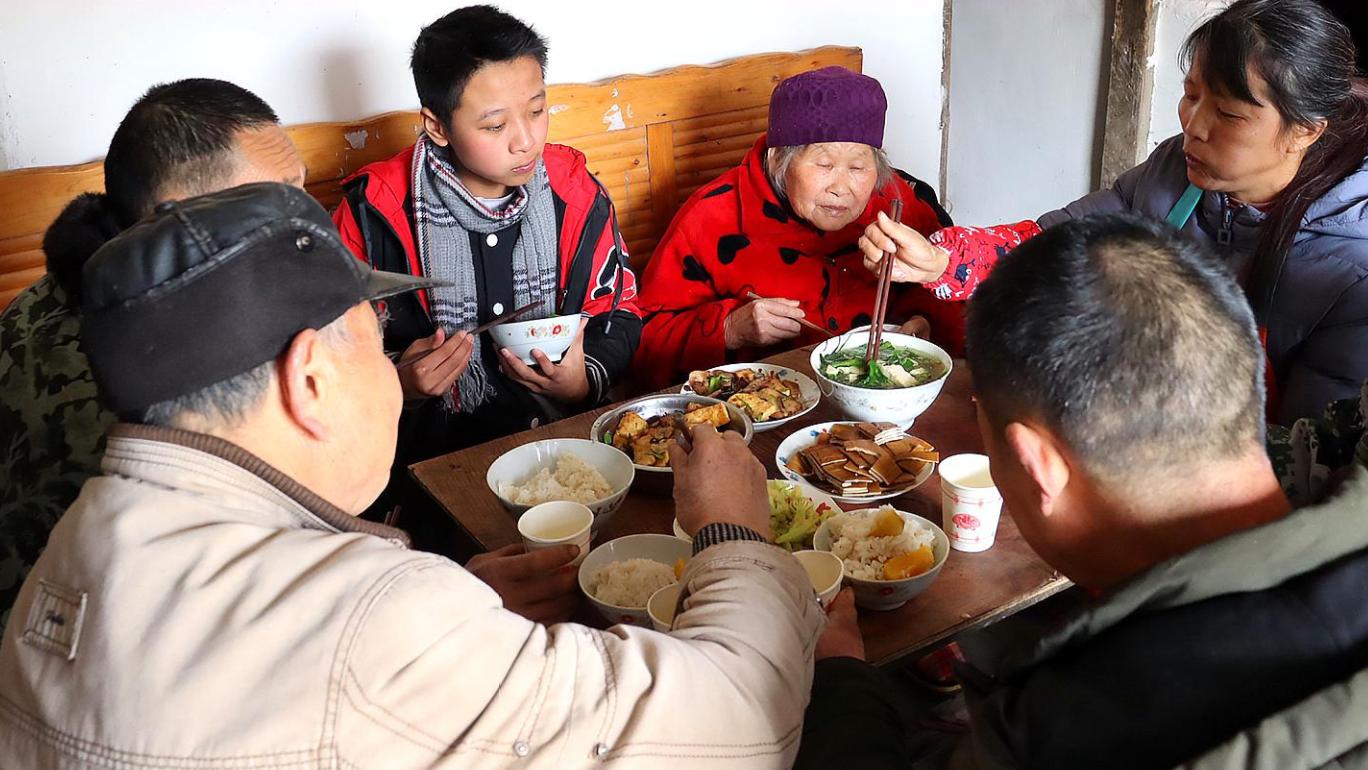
(348, 229)
(611, 268)
(973, 253)
(685, 314)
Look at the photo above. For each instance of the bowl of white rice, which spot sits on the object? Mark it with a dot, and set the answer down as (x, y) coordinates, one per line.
(867, 556)
(570, 469)
(620, 575)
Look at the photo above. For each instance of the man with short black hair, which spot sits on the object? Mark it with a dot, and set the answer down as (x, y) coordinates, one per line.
(212, 600)
(1120, 398)
(180, 139)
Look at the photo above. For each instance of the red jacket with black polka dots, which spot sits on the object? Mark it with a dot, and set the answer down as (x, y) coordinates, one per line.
(734, 236)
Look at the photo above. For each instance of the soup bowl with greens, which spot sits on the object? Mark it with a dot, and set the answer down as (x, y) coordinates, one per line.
(897, 387)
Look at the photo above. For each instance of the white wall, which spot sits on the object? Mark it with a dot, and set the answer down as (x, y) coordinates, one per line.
(69, 69)
(1176, 20)
(1027, 100)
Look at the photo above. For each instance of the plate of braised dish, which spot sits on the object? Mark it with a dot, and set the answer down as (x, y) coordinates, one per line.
(856, 461)
(769, 395)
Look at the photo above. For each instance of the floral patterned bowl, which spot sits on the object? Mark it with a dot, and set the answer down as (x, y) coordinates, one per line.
(900, 406)
(551, 336)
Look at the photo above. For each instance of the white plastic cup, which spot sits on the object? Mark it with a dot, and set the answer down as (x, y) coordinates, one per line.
(825, 571)
(970, 503)
(560, 522)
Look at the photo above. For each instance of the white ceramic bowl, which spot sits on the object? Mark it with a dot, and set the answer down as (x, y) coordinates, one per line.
(890, 594)
(806, 437)
(662, 605)
(818, 498)
(660, 480)
(810, 392)
(550, 335)
(900, 406)
(665, 549)
(518, 465)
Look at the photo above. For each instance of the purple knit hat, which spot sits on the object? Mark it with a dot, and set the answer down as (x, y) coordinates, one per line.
(831, 104)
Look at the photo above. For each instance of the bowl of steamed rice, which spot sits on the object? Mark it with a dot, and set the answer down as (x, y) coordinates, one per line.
(620, 575)
(889, 555)
(562, 469)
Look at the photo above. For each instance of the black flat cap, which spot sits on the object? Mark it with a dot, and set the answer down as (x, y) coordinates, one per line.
(207, 288)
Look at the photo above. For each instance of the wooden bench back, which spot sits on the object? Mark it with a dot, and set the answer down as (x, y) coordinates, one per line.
(651, 139)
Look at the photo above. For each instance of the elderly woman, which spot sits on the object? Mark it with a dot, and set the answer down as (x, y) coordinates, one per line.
(786, 225)
(1270, 171)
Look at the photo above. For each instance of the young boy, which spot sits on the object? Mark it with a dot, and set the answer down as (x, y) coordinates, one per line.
(482, 200)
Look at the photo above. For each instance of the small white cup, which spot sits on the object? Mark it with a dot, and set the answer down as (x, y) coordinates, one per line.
(970, 503)
(557, 523)
(825, 570)
(661, 607)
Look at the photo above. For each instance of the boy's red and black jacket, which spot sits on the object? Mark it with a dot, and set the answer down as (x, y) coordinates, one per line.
(375, 220)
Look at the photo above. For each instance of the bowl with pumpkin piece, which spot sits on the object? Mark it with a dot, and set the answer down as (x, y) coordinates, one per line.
(890, 556)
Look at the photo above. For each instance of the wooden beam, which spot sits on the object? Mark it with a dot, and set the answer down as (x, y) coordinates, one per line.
(1130, 88)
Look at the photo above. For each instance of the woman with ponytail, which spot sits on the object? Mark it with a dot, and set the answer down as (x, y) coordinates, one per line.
(1269, 172)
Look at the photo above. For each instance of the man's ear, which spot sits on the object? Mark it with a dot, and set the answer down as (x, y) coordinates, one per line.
(434, 128)
(1038, 453)
(304, 369)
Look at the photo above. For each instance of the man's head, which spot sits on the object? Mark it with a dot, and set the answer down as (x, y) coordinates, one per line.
(1118, 370)
(240, 314)
(180, 139)
(481, 80)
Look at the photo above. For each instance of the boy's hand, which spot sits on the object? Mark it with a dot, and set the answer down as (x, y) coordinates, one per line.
(566, 381)
(443, 360)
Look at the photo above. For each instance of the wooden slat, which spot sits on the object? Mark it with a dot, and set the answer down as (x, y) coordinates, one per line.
(634, 101)
(712, 115)
(660, 151)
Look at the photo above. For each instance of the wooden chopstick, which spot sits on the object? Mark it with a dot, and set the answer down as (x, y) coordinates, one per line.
(477, 331)
(881, 298)
(803, 321)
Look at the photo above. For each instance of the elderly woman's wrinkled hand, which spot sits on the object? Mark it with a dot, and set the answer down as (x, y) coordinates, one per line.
(719, 479)
(918, 261)
(763, 322)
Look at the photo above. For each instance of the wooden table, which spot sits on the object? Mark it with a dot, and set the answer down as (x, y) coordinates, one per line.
(973, 589)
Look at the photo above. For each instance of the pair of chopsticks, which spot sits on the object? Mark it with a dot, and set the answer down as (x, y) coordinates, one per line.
(803, 321)
(881, 299)
(477, 331)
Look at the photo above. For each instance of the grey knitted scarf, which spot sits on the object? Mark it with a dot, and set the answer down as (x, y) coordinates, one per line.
(445, 213)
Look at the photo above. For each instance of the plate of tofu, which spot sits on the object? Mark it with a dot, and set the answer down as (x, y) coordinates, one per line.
(856, 462)
(769, 395)
(645, 428)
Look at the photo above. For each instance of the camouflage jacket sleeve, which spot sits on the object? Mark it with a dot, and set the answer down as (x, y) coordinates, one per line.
(1307, 456)
(52, 426)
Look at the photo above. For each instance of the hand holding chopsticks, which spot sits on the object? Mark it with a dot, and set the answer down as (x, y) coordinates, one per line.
(801, 321)
(408, 360)
(881, 298)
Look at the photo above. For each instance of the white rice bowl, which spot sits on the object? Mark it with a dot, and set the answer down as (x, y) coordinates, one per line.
(572, 479)
(630, 583)
(865, 556)
(847, 536)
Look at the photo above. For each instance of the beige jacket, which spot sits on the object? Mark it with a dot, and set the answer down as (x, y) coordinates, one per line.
(197, 609)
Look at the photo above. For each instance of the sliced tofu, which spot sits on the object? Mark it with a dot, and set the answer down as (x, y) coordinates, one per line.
(630, 426)
(752, 404)
(713, 414)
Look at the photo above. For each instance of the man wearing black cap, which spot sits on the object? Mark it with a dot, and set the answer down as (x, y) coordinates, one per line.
(212, 600)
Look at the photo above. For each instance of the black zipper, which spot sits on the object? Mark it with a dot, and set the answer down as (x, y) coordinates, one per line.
(1226, 235)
